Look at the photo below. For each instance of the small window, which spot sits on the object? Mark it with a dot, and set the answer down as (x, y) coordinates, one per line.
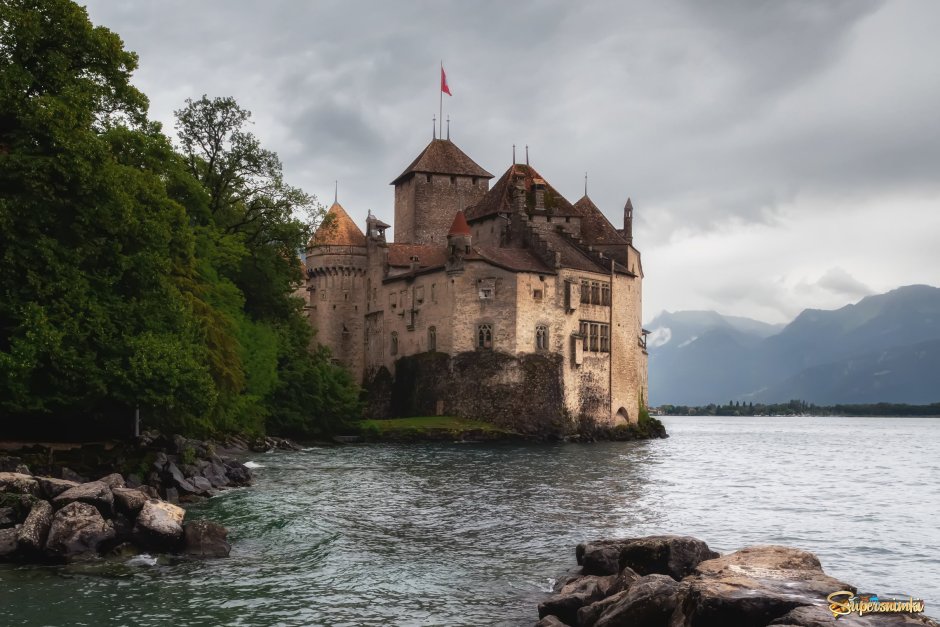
(322, 294)
(453, 180)
(392, 300)
(605, 293)
(586, 292)
(595, 292)
(584, 335)
(393, 347)
(485, 336)
(541, 337)
(473, 181)
(537, 294)
(432, 338)
(433, 296)
(419, 294)
(428, 178)
(605, 338)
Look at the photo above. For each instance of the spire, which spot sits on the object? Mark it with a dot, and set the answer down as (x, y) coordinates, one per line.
(448, 127)
(585, 185)
(433, 127)
(628, 221)
(527, 154)
(336, 192)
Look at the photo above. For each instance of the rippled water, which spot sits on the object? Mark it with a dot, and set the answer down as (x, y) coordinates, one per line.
(471, 534)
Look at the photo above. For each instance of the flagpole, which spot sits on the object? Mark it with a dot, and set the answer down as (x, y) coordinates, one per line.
(440, 117)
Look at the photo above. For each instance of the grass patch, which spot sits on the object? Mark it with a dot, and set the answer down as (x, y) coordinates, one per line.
(429, 427)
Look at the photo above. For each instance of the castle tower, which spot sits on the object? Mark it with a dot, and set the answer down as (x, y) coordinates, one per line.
(336, 280)
(441, 180)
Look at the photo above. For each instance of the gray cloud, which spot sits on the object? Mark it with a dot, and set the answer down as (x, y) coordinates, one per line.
(713, 117)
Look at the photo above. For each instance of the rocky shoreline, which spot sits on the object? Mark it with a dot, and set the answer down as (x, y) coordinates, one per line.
(677, 581)
(58, 513)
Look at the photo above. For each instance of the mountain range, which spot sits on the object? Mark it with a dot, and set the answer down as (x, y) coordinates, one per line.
(885, 348)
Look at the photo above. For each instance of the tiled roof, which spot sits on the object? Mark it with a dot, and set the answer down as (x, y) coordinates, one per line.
(399, 255)
(499, 198)
(595, 227)
(517, 259)
(338, 229)
(571, 257)
(442, 156)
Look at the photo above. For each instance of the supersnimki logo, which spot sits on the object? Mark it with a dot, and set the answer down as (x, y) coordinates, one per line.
(844, 602)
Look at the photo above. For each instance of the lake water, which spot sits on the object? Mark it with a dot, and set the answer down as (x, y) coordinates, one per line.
(473, 534)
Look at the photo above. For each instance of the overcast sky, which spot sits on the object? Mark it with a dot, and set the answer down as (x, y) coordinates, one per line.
(780, 155)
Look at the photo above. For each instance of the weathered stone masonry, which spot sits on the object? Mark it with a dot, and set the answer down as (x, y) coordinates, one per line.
(506, 303)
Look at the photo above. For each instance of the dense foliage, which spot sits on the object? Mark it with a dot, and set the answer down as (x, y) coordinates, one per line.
(133, 274)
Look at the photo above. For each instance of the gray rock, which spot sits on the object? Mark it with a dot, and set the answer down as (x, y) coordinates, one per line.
(114, 480)
(675, 556)
(129, 501)
(172, 495)
(70, 475)
(588, 615)
(550, 621)
(32, 535)
(18, 483)
(753, 586)
(205, 538)
(176, 475)
(95, 493)
(601, 557)
(202, 485)
(22, 469)
(160, 524)
(565, 605)
(78, 528)
(8, 545)
(133, 481)
(650, 602)
(52, 487)
(7, 517)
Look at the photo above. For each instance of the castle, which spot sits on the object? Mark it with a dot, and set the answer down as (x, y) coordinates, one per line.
(522, 307)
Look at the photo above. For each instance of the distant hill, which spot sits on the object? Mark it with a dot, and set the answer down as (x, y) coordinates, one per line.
(884, 348)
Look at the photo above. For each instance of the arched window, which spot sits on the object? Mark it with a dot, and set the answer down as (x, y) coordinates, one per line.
(485, 336)
(394, 344)
(432, 338)
(541, 337)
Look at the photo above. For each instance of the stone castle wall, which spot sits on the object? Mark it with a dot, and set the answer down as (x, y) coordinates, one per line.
(425, 205)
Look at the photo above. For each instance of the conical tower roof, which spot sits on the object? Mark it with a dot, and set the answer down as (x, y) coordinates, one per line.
(442, 156)
(338, 229)
(460, 226)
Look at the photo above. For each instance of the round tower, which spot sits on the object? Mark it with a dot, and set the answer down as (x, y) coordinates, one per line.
(336, 276)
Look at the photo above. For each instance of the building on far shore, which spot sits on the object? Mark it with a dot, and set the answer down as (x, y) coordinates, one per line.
(507, 303)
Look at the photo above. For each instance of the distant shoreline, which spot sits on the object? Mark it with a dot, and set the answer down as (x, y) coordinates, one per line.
(802, 408)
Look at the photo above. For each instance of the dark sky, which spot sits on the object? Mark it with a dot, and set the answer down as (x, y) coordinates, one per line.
(780, 154)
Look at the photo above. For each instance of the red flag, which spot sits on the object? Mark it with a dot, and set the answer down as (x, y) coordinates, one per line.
(444, 87)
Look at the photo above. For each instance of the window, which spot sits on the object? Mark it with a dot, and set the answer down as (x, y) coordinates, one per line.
(537, 294)
(594, 336)
(485, 336)
(605, 338)
(605, 294)
(584, 335)
(541, 337)
(595, 292)
(585, 292)
(419, 294)
(393, 349)
(428, 178)
(432, 338)
(433, 296)
(453, 180)
(487, 288)
(392, 300)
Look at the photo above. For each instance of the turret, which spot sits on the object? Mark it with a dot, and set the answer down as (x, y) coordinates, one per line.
(459, 240)
(628, 222)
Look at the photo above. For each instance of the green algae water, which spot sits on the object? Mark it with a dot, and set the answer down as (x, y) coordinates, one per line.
(474, 534)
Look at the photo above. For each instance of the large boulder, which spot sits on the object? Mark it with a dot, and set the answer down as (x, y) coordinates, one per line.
(18, 483)
(129, 501)
(572, 597)
(70, 475)
(8, 544)
(95, 493)
(32, 535)
(753, 586)
(649, 601)
(550, 621)
(205, 538)
(78, 528)
(177, 478)
(674, 556)
(52, 487)
(114, 480)
(7, 517)
(160, 525)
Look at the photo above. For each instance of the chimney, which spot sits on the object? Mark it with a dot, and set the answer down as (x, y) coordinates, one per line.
(539, 186)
